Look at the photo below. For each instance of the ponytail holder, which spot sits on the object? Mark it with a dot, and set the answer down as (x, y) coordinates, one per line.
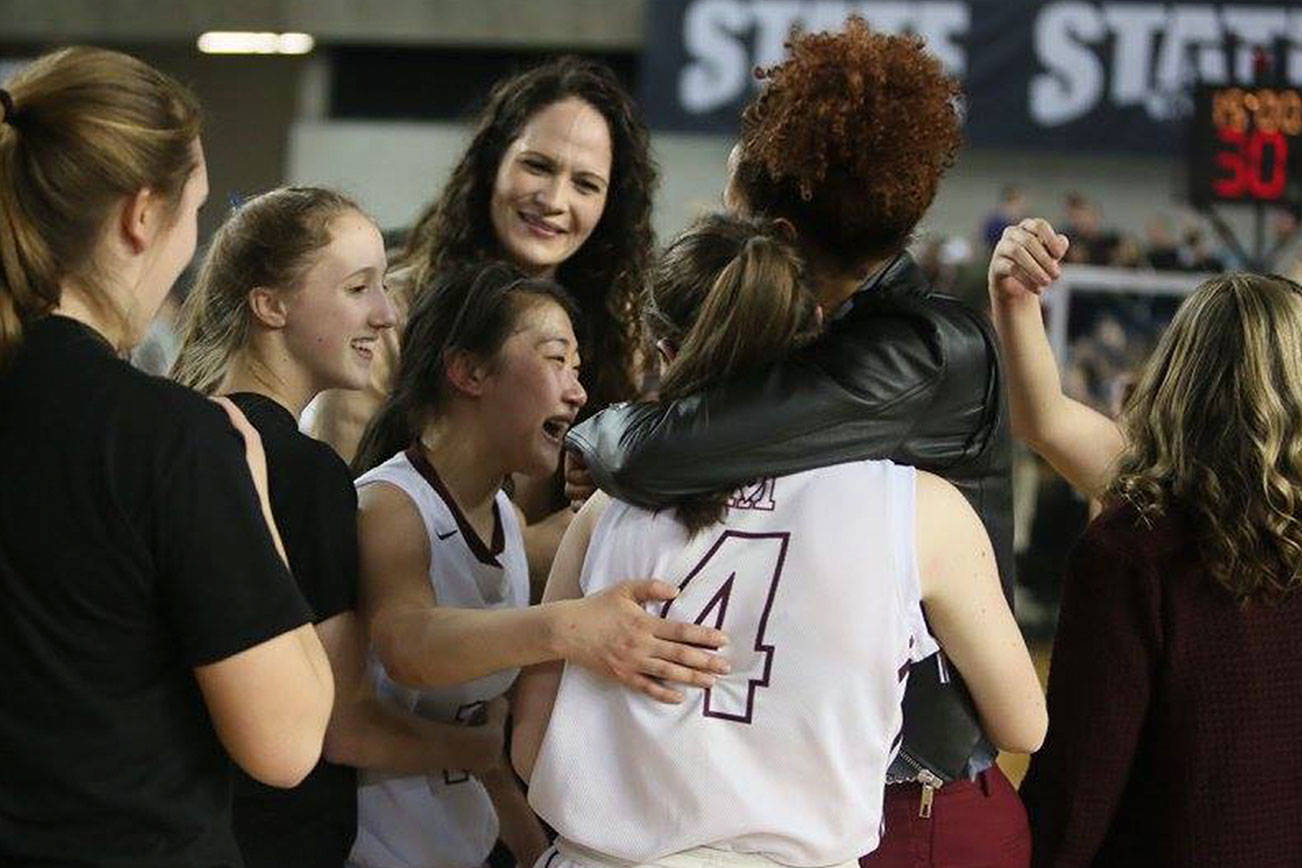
(7, 102)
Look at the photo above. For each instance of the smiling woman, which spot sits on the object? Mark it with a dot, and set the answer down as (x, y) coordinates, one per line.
(290, 301)
(551, 186)
(557, 181)
(289, 297)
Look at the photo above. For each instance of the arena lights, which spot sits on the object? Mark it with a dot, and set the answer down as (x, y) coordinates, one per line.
(247, 42)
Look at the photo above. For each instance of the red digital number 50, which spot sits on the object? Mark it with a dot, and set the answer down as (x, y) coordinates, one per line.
(1244, 165)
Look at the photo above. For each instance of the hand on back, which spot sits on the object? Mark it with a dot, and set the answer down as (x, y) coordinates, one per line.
(256, 459)
(254, 455)
(612, 634)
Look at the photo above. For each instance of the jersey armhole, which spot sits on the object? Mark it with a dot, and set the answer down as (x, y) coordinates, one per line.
(904, 500)
(395, 478)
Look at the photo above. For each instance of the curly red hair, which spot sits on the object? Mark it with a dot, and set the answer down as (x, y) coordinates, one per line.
(849, 139)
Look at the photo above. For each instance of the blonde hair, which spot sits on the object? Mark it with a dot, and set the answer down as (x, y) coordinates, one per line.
(268, 241)
(1214, 428)
(88, 126)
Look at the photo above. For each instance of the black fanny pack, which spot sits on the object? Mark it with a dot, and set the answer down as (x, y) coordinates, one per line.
(941, 729)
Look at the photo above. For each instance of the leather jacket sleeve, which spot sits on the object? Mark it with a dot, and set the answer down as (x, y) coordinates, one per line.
(860, 392)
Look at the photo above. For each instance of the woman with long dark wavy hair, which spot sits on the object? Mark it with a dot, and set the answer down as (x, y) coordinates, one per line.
(1173, 704)
(557, 180)
(606, 272)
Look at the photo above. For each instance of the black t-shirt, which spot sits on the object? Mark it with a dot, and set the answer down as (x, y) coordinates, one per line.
(315, 505)
(132, 549)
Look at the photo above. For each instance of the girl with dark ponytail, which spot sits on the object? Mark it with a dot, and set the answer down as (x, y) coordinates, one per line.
(819, 577)
(487, 386)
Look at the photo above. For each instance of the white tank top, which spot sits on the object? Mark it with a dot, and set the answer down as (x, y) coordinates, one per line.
(444, 820)
(814, 578)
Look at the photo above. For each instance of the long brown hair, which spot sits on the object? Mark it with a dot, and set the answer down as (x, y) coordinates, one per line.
(607, 274)
(728, 295)
(1214, 429)
(87, 127)
(267, 241)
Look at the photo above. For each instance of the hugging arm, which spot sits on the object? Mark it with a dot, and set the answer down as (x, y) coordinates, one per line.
(855, 394)
(970, 618)
(424, 644)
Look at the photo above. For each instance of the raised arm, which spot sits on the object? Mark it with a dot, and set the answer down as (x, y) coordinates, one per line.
(424, 644)
(970, 618)
(1081, 443)
(856, 393)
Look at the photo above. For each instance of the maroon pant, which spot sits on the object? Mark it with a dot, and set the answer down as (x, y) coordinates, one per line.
(973, 824)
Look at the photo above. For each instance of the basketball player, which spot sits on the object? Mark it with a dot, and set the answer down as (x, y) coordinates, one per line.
(486, 387)
(818, 577)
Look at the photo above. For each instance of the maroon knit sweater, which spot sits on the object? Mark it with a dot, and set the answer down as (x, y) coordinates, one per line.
(1175, 715)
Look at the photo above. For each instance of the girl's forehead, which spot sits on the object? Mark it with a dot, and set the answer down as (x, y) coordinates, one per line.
(541, 319)
(355, 244)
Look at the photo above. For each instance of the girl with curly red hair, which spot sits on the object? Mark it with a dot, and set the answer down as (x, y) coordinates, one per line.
(847, 143)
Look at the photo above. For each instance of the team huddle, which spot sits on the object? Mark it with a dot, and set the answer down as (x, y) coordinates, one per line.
(527, 541)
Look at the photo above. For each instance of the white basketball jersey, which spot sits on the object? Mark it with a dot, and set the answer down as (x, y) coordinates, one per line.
(814, 578)
(444, 820)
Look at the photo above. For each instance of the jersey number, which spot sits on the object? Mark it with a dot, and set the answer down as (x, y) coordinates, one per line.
(732, 589)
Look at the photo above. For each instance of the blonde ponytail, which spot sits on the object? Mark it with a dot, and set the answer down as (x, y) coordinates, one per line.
(268, 241)
(87, 127)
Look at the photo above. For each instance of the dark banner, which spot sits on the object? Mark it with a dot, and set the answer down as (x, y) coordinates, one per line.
(1068, 75)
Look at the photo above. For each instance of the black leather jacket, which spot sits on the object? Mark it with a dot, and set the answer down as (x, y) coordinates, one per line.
(905, 374)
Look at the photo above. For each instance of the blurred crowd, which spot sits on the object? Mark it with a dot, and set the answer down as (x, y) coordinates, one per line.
(1174, 241)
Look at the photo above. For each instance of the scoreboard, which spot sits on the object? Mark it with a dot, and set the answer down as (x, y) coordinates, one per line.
(1246, 145)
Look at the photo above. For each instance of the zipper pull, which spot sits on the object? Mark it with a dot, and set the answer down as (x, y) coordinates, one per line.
(930, 783)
